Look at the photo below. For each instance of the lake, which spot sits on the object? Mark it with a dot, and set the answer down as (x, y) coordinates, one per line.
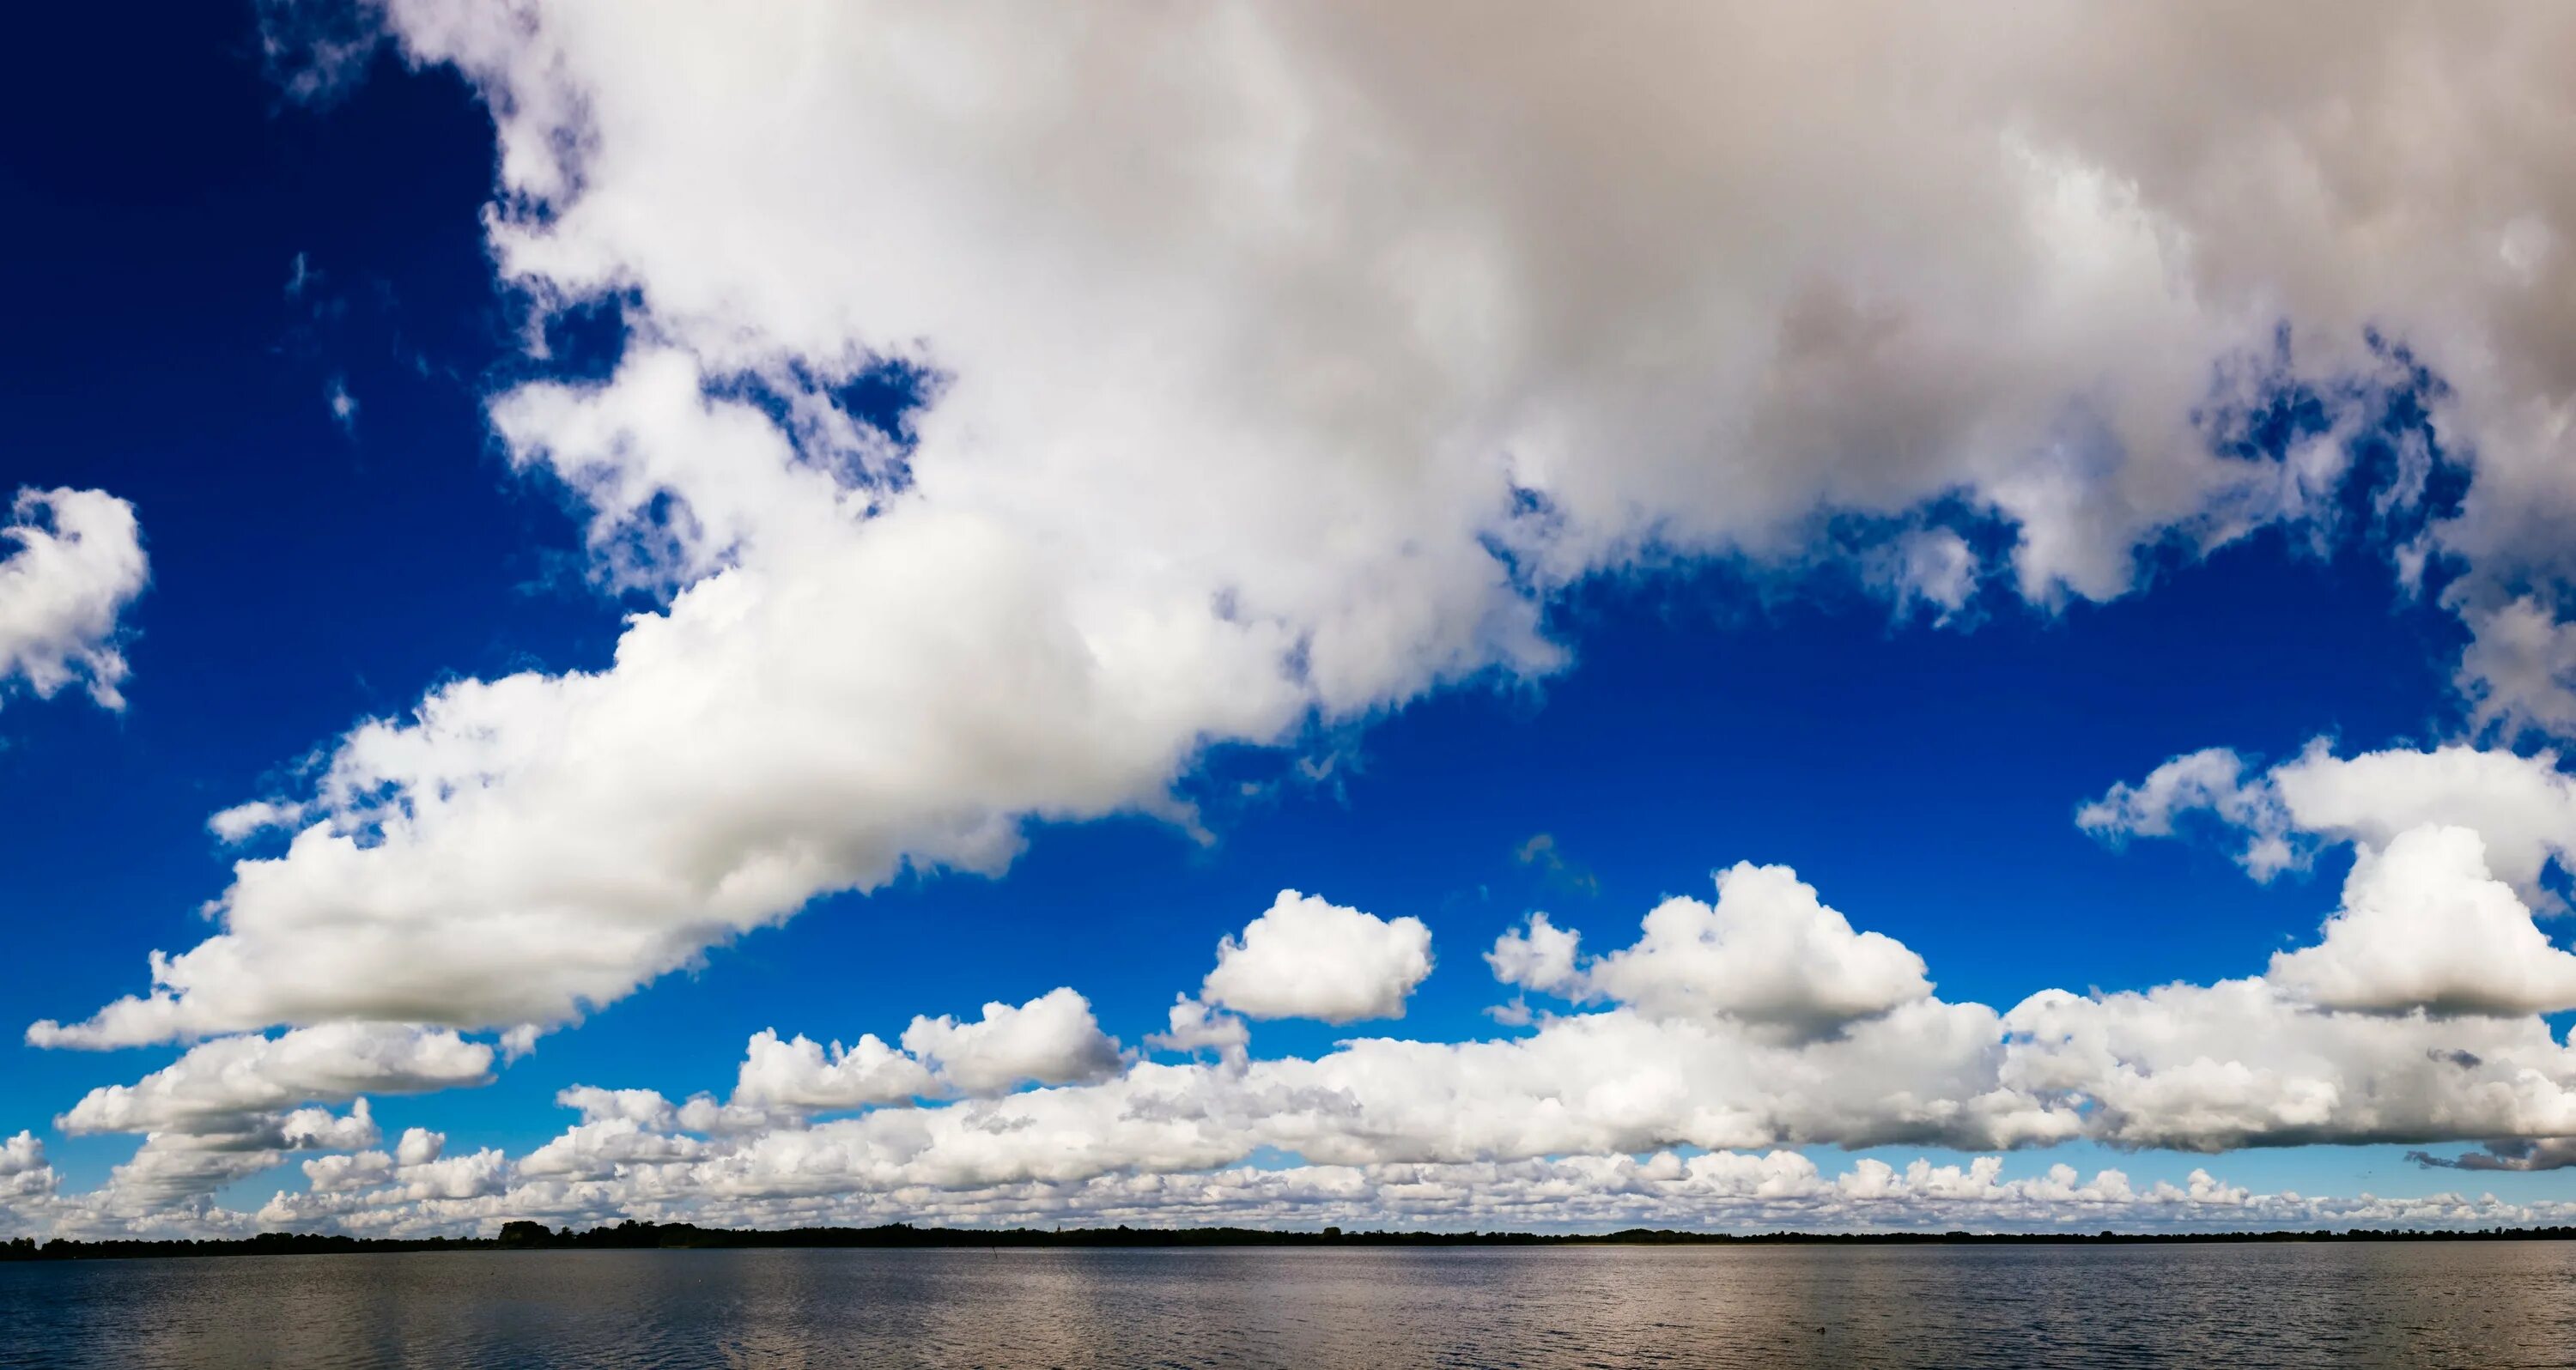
(2486, 1304)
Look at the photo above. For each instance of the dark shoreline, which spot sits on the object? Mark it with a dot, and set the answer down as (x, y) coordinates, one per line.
(632, 1235)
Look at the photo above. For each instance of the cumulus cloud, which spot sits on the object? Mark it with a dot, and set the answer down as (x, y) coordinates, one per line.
(419, 1146)
(24, 1173)
(596, 1147)
(1050, 1040)
(347, 1171)
(230, 1077)
(1307, 958)
(1290, 360)
(74, 562)
(2245, 1063)
(2424, 926)
(229, 1108)
(1193, 1026)
(799, 1076)
(2523, 807)
(1727, 1029)
(1767, 953)
(642, 1107)
(178, 1168)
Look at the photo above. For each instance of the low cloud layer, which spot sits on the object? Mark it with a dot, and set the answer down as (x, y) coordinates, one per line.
(1740, 1028)
(236, 1106)
(1767, 953)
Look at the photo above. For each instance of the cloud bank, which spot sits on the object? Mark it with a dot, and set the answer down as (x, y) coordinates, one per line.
(1669, 1085)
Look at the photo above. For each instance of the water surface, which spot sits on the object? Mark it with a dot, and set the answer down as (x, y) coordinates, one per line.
(2488, 1304)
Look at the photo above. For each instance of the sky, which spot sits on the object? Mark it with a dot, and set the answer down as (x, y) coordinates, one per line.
(1459, 618)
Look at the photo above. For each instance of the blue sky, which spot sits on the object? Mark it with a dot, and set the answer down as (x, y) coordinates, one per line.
(273, 320)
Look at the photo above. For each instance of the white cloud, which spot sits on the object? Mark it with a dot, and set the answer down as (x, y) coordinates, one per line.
(1052, 1039)
(2244, 1063)
(483, 1173)
(595, 1148)
(347, 1171)
(642, 1107)
(227, 1078)
(179, 1167)
(1768, 953)
(1193, 1026)
(1538, 955)
(74, 562)
(228, 1108)
(1928, 568)
(2425, 927)
(1307, 958)
(2520, 664)
(799, 1077)
(2372, 1034)
(419, 1146)
(2522, 807)
(244, 821)
(2212, 779)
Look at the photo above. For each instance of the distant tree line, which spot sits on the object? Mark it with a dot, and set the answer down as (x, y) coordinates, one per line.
(633, 1235)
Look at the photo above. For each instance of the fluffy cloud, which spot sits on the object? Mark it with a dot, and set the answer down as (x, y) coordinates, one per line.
(1193, 1026)
(1306, 958)
(1768, 953)
(415, 1172)
(75, 561)
(2522, 807)
(230, 1077)
(1290, 360)
(179, 1168)
(800, 1077)
(1734, 1028)
(642, 1107)
(24, 1174)
(1725, 1029)
(2244, 1063)
(347, 1171)
(1050, 1040)
(2413, 1012)
(596, 1148)
(228, 1108)
(419, 1146)
(2424, 927)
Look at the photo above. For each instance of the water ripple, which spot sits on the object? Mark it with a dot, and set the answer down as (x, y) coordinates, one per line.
(2492, 1304)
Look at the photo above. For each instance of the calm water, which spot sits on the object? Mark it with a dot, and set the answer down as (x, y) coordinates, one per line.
(2489, 1304)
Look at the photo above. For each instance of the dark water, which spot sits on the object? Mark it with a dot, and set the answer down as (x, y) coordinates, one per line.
(2485, 1304)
